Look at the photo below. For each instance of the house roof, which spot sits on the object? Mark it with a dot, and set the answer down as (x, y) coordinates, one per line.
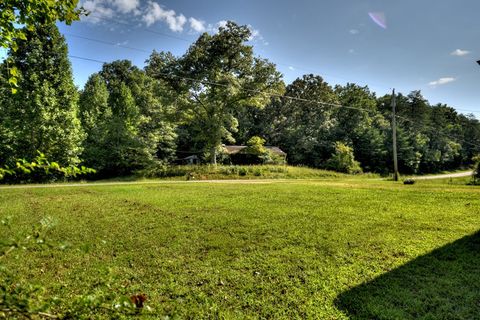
(190, 157)
(237, 149)
(276, 150)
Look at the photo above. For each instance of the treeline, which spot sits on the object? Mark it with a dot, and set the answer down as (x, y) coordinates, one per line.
(128, 119)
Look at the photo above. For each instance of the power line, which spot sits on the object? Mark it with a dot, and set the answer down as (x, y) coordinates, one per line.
(467, 110)
(86, 59)
(106, 42)
(326, 74)
(156, 32)
(437, 131)
(149, 30)
(144, 29)
(271, 95)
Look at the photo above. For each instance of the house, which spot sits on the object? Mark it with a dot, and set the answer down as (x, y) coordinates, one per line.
(190, 160)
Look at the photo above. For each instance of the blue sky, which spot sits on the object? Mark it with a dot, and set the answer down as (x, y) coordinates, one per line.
(427, 45)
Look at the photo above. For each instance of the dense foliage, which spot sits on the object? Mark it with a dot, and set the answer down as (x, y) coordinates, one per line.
(476, 170)
(131, 120)
(125, 121)
(34, 15)
(40, 169)
(43, 114)
(343, 160)
(216, 77)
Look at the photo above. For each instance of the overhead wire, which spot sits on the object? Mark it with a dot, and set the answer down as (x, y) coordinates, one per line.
(272, 95)
(149, 30)
(106, 42)
(437, 131)
(156, 32)
(256, 91)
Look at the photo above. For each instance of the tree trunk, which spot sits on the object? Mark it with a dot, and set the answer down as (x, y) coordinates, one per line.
(213, 159)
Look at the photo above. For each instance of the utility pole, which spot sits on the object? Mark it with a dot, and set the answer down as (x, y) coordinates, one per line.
(394, 133)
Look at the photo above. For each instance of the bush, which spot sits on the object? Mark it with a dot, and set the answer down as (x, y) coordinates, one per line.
(242, 172)
(40, 170)
(343, 160)
(257, 172)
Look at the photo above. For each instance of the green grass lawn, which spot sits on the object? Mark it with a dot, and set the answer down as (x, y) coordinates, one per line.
(333, 249)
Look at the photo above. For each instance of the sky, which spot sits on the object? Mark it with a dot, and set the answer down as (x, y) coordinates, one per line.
(427, 45)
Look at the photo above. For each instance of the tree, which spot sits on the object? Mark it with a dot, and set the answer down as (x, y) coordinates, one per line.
(418, 110)
(33, 15)
(305, 121)
(127, 125)
(412, 142)
(470, 137)
(476, 169)
(217, 76)
(360, 124)
(43, 115)
(443, 150)
(343, 160)
(255, 152)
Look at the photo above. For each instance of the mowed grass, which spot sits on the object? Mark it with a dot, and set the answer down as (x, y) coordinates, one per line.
(337, 249)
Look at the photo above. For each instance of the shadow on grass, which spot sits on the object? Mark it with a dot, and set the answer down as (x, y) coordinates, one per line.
(444, 284)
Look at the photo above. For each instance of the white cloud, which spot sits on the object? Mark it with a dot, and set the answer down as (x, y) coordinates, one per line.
(354, 31)
(216, 27)
(155, 13)
(152, 12)
(126, 6)
(291, 68)
(123, 43)
(460, 53)
(221, 24)
(255, 34)
(197, 25)
(98, 9)
(442, 81)
(351, 51)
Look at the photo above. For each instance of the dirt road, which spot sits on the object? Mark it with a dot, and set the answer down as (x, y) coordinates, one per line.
(445, 176)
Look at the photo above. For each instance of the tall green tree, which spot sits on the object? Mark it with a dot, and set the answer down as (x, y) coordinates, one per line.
(33, 15)
(305, 121)
(43, 115)
(127, 125)
(470, 137)
(444, 133)
(360, 125)
(5, 130)
(217, 76)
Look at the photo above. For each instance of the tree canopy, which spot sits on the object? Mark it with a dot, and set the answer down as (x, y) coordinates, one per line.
(43, 115)
(127, 120)
(18, 16)
(217, 76)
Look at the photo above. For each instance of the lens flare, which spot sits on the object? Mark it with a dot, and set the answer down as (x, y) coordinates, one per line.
(379, 18)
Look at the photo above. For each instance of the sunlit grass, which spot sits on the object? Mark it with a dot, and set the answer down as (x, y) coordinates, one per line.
(262, 250)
